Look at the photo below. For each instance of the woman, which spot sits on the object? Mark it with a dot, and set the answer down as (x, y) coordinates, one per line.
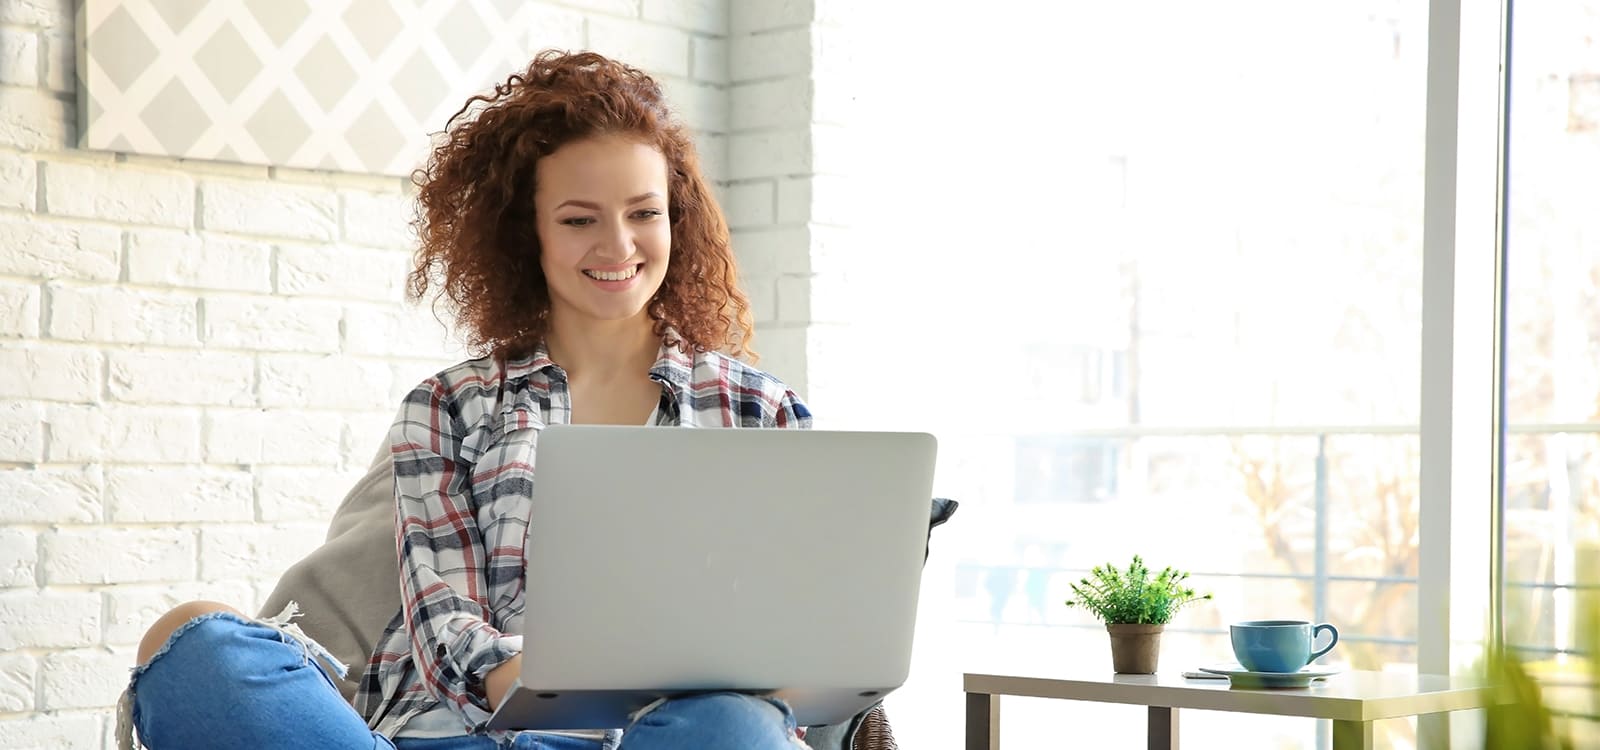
(566, 225)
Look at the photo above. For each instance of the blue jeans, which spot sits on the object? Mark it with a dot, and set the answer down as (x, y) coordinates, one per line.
(227, 682)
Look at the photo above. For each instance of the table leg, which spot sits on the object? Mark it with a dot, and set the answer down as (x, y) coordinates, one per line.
(983, 721)
(1352, 735)
(1162, 733)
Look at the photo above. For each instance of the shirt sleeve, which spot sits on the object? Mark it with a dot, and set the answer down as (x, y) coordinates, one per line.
(444, 592)
(792, 412)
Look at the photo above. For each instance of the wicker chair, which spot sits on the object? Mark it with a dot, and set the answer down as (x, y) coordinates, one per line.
(874, 732)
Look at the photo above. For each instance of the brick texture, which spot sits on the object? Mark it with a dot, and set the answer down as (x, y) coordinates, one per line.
(198, 358)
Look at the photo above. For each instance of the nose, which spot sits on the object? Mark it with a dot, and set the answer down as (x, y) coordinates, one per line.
(616, 242)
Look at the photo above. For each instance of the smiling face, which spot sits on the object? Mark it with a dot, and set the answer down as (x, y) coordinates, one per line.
(600, 207)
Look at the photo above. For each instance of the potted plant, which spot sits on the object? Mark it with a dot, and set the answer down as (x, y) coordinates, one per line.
(1135, 606)
(1551, 702)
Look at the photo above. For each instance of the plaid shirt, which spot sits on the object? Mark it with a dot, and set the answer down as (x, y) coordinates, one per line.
(463, 447)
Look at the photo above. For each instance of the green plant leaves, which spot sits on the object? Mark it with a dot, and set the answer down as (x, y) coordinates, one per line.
(1133, 596)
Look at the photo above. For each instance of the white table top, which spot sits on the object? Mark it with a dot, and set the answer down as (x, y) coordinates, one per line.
(1348, 696)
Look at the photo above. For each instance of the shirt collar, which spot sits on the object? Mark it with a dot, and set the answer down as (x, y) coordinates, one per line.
(673, 367)
(537, 361)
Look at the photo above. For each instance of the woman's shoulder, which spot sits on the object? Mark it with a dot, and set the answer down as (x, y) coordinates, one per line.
(465, 381)
(489, 369)
(747, 383)
(736, 373)
(467, 396)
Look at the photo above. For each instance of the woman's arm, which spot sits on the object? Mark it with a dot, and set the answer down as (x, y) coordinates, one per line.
(500, 679)
(444, 592)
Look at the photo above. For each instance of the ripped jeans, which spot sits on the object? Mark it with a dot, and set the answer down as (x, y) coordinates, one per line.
(224, 681)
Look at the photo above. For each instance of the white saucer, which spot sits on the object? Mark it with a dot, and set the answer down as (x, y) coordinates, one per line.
(1240, 677)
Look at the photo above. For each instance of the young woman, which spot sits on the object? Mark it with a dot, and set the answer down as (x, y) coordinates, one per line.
(566, 226)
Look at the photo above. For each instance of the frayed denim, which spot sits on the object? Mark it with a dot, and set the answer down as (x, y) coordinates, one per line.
(225, 681)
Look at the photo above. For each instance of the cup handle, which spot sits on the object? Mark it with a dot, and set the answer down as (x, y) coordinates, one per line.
(1333, 631)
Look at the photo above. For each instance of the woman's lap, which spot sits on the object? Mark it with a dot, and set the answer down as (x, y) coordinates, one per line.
(225, 681)
(740, 721)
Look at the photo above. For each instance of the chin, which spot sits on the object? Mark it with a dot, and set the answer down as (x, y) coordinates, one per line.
(611, 313)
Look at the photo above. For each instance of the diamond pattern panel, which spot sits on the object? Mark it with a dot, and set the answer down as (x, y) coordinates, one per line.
(228, 61)
(175, 117)
(374, 24)
(122, 63)
(278, 20)
(353, 85)
(326, 73)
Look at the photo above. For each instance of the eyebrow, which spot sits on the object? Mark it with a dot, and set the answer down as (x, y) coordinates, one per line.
(596, 207)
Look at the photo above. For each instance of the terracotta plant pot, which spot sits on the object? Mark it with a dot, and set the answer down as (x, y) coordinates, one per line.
(1135, 649)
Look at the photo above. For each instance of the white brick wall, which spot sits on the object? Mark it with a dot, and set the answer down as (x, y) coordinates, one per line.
(75, 373)
(140, 555)
(44, 249)
(269, 209)
(198, 358)
(19, 558)
(661, 50)
(790, 91)
(161, 494)
(51, 494)
(19, 179)
(76, 679)
(121, 315)
(19, 310)
(176, 259)
(297, 493)
(48, 619)
(122, 433)
(18, 672)
(347, 273)
(278, 323)
(130, 608)
(74, 731)
(19, 58)
(194, 378)
(115, 193)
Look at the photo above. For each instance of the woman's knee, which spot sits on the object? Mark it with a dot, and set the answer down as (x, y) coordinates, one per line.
(167, 624)
(714, 720)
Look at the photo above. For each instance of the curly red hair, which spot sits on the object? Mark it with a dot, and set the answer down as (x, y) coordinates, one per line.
(478, 249)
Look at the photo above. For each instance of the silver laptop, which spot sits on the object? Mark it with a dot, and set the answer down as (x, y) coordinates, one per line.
(666, 561)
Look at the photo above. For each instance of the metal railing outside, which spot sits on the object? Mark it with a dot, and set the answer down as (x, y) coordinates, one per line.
(1320, 577)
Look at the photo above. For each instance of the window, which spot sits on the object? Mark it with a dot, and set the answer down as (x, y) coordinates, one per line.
(1153, 272)
(1552, 474)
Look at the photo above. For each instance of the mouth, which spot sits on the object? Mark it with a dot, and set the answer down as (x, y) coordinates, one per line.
(622, 274)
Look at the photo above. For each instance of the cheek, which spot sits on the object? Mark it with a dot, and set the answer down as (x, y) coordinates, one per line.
(661, 241)
(555, 251)
(546, 247)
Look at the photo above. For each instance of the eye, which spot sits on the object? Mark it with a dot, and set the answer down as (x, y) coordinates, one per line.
(578, 221)
(648, 213)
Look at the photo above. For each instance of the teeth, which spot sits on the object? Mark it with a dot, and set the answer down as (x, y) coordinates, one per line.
(622, 275)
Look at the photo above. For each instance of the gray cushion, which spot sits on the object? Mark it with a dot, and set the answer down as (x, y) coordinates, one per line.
(349, 588)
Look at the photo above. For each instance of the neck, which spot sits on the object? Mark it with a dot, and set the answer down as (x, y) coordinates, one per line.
(603, 349)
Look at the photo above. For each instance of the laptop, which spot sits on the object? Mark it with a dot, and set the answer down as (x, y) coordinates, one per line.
(666, 561)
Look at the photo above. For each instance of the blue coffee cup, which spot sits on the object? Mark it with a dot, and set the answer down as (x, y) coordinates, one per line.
(1278, 645)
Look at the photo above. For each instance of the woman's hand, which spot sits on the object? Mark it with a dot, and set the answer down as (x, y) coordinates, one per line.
(500, 679)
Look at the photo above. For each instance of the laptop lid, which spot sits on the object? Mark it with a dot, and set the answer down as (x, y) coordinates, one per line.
(664, 561)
